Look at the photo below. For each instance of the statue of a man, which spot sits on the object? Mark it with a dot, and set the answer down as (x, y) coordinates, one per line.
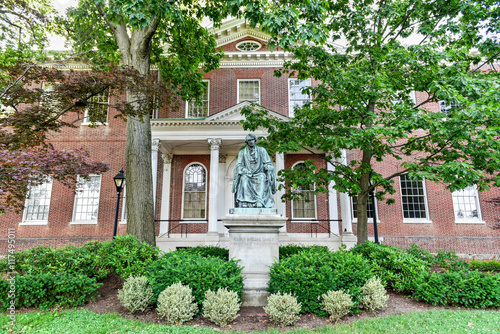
(254, 177)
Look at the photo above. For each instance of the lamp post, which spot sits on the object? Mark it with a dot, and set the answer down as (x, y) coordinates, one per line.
(119, 183)
(372, 198)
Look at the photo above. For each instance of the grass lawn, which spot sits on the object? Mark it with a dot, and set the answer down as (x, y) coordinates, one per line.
(83, 322)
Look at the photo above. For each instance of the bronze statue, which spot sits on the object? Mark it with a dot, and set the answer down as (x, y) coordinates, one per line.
(254, 177)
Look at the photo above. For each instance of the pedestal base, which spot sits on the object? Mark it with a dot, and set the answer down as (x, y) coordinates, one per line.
(253, 239)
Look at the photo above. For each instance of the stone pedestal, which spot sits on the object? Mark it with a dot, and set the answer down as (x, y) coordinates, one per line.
(253, 239)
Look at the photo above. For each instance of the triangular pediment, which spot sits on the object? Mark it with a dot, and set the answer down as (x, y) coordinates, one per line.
(233, 113)
(237, 29)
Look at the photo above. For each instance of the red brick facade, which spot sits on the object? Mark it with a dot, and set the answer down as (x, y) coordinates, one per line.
(107, 143)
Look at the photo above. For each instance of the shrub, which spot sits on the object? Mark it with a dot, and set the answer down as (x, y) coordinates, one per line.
(283, 309)
(289, 250)
(136, 294)
(491, 265)
(394, 266)
(421, 254)
(448, 259)
(46, 290)
(206, 251)
(337, 304)
(467, 288)
(200, 273)
(127, 255)
(373, 295)
(308, 275)
(176, 304)
(221, 307)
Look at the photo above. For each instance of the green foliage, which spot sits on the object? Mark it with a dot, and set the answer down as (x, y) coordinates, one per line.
(207, 251)
(136, 294)
(308, 275)
(291, 249)
(176, 304)
(221, 307)
(125, 255)
(374, 296)
(337, 304)
(46, 290)
(448, 259)
(394, 266)
(283, 309)
(199, 273)
(421, 253)
(468, 288)
(487, 265)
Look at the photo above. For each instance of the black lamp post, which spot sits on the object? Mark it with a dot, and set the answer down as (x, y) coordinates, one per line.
(372, 198)
(119, 183)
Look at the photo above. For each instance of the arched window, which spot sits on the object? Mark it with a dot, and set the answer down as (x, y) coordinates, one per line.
(195, 185)
(304, 207)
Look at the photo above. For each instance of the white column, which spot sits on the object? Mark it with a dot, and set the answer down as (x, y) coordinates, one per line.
(154, 166)
(165, 193)
(280, 165)
(213, 200)
(345, 204)
(222, 192)
(333, 211)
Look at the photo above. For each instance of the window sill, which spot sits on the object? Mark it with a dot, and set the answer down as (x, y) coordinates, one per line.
(470, 221)
(370, 221)
(95, 124)
(416, 221)
(122, 222)
(305, 220)
(34, 222)
(84, 222)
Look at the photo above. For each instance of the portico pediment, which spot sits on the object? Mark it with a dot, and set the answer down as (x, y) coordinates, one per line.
(233, 113)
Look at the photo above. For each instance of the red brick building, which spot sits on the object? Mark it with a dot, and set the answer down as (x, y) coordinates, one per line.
(194, 151)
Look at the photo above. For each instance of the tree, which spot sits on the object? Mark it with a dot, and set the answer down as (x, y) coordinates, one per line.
(367, 57)
(139, 33)
(31, 112)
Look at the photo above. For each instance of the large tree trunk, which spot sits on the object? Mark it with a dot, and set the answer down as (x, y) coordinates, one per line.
(362, 232)
(136, 51)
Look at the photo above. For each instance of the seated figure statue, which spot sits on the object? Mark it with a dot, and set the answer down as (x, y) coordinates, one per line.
(254, 177)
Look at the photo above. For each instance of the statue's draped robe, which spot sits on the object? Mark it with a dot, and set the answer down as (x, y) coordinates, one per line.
(254, 178)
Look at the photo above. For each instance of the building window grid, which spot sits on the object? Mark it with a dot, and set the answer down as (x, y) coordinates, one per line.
(304, 207)
(195, 185)
(100, 104)
(466, 204)
(199, 111)
(249, 90)
(369, 207)
(38, 202)
(413, 198)
(87, 198)
(296, 97)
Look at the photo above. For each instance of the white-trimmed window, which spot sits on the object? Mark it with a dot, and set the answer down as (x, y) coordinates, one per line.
(466, 205)
(86, 206)
(446, 108)
(304, 207)
(194, 110)
(296, 98)
(194, 192)
(414, 200)
(36, 207)
(249, 90)
(369, 208)
(123, 219)
(248, 46)
(97, 109)
(412, 97)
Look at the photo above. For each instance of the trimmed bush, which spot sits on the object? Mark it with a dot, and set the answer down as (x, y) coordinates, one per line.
(206, 251)
(337, 304)
(395, 267)
(468, 288)
(221, 307)
(125, 255)
(373, 295)
(47, 290)
(200, 273)
(486, 265)
(308, 275)
(448, 259)
(176, 304)
(136, 294)
(289, 250)
(283, 309)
